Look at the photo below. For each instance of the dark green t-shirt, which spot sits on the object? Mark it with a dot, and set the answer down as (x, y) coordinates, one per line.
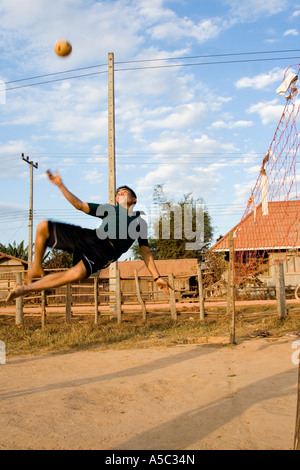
(121, 229)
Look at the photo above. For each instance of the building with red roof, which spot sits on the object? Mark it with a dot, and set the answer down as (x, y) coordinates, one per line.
(273, 237)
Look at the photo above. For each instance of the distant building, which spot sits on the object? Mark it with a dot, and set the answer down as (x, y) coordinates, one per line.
(273, 237)
(184, 271)
(8, 267)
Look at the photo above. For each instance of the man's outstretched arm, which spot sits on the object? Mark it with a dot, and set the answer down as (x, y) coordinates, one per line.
(77, 203)
(150, 263)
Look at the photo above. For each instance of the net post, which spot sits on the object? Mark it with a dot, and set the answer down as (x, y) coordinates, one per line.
(231, 289)
(19, 303)
(280, 291)
(139, 295)
(297, 430)
(201, 292)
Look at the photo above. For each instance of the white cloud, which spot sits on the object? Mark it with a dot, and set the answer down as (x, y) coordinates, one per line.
(253, 9)
(291, 32)
(11, 164)
(178, 179)
(231, 125)
(72, 111)
(261, 81)
(8, 208)
(296, 13)
(13, 148)
(243, 192)
(180, 28)
(93, 176)
(93, 28)
(181, 117)
(269, 112)
(184, 144)
(181, 174)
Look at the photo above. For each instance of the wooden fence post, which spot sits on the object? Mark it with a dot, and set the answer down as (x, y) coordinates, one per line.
(96, 297)
(172, 297)
(139, 295)
(43, 297)
(297, 431)
(231, 289)
(19, 303)
(280, 291)
(201, 292)
(68, 303)
(118, 296)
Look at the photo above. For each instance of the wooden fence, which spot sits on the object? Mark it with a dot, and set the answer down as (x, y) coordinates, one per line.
(94, 297)
(138, 294)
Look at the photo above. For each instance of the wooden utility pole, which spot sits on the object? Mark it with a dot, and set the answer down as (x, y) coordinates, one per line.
(30, 240)
(96, 296)
(201, 292)
(19, 303)
(68, 303)
(172, 297)
(231, 289)
(118, 297)
(280, 291)
(139, 295)
(111, 162)
(111, 131)
(297, 430)
(44, 302)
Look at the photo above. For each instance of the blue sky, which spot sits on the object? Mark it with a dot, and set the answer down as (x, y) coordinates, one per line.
(202, 129)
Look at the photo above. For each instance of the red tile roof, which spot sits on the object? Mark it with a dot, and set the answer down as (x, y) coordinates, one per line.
(278, 230)
(5, 256)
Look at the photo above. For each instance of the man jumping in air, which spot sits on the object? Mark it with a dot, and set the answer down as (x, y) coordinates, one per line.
(92, 250)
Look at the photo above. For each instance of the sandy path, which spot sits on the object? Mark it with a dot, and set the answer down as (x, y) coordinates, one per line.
(183, 398)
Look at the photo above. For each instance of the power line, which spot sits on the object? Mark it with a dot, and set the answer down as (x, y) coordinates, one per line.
(208, 63)
(141, 155)
(210, 55)
(69, 213)
(55, 73)
(145, 163)
(161, 59)
(53, 81)
(155, 67)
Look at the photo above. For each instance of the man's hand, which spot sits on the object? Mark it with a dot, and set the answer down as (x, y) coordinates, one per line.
(54, 178)
(164, 285)
(77, 203)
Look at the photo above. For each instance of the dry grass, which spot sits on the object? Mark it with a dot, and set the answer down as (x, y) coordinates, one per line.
(159, 330)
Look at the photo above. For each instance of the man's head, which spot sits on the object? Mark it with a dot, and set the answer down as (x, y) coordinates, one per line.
(125, 196)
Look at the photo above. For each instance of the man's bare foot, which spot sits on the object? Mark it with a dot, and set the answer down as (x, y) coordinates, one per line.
(17, 292)
(35, 272)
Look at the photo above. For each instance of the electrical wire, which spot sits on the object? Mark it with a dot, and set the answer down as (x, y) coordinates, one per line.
(154, 67)
(217, 209)
(154, 60)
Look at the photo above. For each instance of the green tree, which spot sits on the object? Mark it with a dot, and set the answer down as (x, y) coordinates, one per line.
(17, 251)
(57, 259)
(170, 240)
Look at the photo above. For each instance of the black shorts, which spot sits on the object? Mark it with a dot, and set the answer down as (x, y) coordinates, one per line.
(83, 243)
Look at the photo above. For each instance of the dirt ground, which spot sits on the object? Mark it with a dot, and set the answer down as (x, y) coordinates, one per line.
(188, 397)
